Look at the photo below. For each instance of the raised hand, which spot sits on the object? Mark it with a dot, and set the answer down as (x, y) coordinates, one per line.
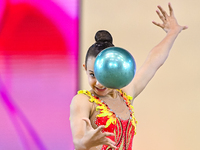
(169, 21)
(95, 137)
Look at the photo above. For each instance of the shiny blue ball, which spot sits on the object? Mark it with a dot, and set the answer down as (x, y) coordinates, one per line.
(114, 67)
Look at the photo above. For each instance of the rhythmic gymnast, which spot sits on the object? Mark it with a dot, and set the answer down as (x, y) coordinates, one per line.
(103, 118)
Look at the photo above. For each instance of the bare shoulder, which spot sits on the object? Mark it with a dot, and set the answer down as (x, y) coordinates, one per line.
(80, 102)
(80, 97)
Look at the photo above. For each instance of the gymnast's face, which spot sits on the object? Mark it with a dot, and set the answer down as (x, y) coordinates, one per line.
(97, 87)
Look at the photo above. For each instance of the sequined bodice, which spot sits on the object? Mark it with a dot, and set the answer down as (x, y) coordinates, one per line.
(124, 130)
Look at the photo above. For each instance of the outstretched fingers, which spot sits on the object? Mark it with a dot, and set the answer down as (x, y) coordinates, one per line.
(157, 24)
(110, 143)
(99, 129)
(164, 13)
(162, 17)
(104, 135)
(171, 11)
(97, 136)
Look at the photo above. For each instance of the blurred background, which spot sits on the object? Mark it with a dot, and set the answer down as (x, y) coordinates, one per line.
(42, 49)
(38, 73)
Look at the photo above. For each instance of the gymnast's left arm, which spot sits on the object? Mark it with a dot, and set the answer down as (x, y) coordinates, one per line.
(158, 55)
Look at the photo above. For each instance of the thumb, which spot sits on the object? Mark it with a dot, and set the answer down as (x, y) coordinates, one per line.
(88, 123)
(185, 27)
(99, 129)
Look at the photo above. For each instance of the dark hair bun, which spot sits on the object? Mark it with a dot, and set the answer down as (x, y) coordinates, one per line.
(103, 36)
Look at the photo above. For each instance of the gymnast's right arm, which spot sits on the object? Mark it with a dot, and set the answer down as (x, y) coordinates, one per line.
(79, 108)
(84, 136)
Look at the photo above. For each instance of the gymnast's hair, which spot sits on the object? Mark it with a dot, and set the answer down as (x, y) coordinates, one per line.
(103, 40)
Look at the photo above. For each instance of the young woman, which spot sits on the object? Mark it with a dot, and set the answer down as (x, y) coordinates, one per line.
(103, 118)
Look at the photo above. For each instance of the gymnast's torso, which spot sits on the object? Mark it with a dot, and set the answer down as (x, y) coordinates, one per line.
(117, 116)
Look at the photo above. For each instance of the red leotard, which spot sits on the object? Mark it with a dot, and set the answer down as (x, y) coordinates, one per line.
(124, 130)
